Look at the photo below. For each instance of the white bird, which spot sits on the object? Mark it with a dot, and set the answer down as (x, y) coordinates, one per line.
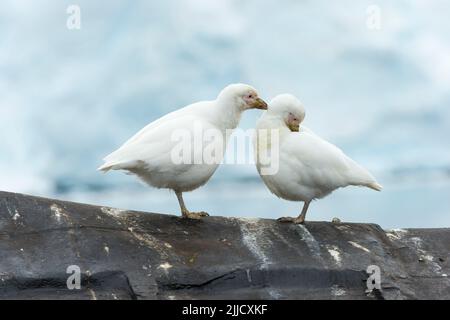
(308, 167)
(157, 156)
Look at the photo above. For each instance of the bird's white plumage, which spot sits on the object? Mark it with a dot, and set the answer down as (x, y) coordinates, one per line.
(309, 167)
(148, 154)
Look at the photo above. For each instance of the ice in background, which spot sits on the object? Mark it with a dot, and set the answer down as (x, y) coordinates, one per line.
(69, 97)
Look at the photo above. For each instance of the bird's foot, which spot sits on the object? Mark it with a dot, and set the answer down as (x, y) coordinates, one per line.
(297, 220)
(195, 215)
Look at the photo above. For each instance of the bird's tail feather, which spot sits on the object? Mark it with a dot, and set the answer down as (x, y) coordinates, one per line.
(375, 186)
(121, 165)
(105, 167)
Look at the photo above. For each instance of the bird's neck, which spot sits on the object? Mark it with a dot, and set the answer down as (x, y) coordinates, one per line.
(271, 130)
(270, 122)
(228, 116)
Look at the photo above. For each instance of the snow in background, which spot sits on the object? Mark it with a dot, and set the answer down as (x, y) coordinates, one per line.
(69, 97)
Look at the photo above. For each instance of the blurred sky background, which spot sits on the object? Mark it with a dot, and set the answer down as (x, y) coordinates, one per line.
(69, 97)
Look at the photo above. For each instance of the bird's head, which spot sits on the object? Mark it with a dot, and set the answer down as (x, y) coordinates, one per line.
(243, 96)
(289, 109)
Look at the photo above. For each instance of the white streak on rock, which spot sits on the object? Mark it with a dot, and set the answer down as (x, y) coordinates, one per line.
(335, 254)
(165, 266)
(16, 215)
(249, 276)
(309, 239)
(112, 211)
(357, 245)
(274, 294)
(396, 234)
(253, 238)
(58, 212)
(336, 291)
(424, 255)
(92, 293)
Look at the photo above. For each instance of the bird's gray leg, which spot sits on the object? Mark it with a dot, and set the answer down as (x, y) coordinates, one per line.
(300, 219)
(183, 208)
(185, 213)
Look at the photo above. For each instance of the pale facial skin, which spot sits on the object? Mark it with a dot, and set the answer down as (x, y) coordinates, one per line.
(252, 101)
(293, 122)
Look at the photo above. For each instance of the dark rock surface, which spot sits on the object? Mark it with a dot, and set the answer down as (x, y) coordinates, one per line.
(136, 255)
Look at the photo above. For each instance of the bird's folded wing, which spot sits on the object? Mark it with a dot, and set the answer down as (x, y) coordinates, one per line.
(153, 148)
(324, 160)
(192, 109)
(313, 151)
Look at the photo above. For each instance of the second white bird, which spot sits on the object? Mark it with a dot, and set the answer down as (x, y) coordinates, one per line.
(308, 167)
